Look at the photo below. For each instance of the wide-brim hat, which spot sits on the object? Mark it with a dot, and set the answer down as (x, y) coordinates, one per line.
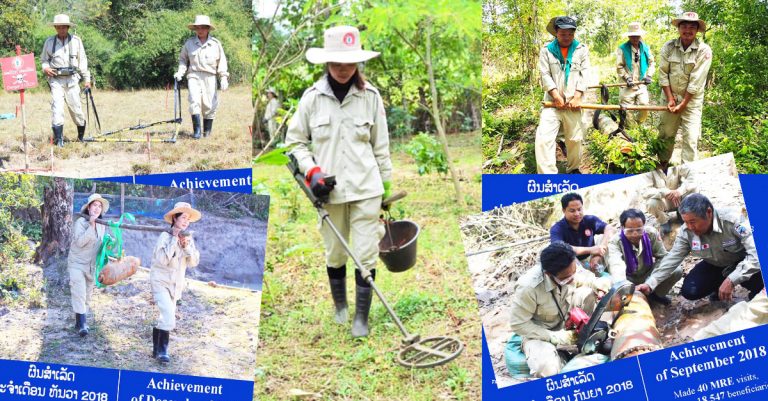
(341, 44)
(201, 20)
(183, 207)
(273, 91)
(562, 22)
(91, 199)
(690, 16)
(61, 19)
(634, 29)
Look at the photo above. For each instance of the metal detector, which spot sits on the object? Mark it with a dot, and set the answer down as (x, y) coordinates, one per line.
(415, 352)
(104, 136)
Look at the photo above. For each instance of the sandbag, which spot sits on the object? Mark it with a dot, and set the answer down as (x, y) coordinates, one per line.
(517, 364)
(118, 270)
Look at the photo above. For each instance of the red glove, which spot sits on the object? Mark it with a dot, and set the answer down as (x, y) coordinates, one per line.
(316, 182)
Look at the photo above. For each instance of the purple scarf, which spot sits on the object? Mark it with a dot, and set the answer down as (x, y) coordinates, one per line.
(629, 254)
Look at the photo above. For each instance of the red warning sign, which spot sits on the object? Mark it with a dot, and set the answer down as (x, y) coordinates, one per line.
(19, 72)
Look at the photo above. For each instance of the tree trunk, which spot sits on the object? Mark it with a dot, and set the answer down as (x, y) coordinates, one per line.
(56, 210)
(436, 115)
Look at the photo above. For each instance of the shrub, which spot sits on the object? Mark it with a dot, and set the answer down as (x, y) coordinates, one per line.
(428, 154)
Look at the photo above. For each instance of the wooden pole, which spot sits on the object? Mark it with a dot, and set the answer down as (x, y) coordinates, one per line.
(138, 227)
(23, 122)
(594, 106)
(620, 84)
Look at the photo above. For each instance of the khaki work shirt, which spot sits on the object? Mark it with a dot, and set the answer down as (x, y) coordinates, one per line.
(616, 259)
(349, 140)
(167, 259)
(552, 76)
(205, 57)
(685, 70)
(675, 179)
(69, 52)
(85, 245)
(623, 71)
(271, 110)
(534, 314)
(729, 245)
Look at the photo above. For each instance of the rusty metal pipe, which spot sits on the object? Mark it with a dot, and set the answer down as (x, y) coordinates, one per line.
(636, 331)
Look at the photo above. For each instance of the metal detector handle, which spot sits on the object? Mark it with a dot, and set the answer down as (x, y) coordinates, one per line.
(393, 198)
(293, 166)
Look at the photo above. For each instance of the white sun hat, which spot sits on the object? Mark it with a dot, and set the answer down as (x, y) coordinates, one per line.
(341, 44)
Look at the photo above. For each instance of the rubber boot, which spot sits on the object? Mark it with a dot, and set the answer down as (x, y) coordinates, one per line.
(337, 278)
(207, 126)
(196, 126)
(81, 325)
(163, 336)
(58, 135)
(363, 297)
(80, 132)
(155, 341)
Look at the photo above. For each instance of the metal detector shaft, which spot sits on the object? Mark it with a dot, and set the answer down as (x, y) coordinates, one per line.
(127, 140)
(594, 106)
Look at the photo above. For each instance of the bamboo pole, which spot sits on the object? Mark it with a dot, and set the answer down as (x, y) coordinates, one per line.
(138, 227)
(594, 106)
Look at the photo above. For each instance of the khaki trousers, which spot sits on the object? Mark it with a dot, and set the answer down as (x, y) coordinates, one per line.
(81, 289)
(631, 97)
(203, 98)
(742, 316)
(66, 91)
(689, 121)
(358, 222)
(551, 122)
(167, 306)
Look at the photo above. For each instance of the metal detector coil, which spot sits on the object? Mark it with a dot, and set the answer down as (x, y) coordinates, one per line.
(415, 352)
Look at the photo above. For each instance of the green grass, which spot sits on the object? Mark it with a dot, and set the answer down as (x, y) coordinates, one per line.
(300, 346)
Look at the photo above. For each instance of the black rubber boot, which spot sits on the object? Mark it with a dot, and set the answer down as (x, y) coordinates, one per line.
(207, 126)
(337, 278)
(163, 336)
(81, 325)
(196, 126)
(58, 135)
(155, 341)
(363, 297)
(80, 132)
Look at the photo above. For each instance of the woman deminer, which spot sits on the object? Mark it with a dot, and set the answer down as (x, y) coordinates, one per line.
(202, 59)
(87, 237)
(342, 117)
(174, 252)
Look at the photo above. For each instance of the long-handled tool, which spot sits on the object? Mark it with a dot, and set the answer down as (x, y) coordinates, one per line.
(416, 352)
(595, 106)
(620, 85)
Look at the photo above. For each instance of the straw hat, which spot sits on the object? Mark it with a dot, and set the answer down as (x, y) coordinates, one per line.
(341, 44)
(183, 207)
(61, 19)
(634, 29)
(96, 197)
(690, 16)
(564, 22)
(201, 20)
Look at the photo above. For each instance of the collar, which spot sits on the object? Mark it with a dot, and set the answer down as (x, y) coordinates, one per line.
(199, 43)
(693, 46)
(325, 88)
(717, 225)
(549, 285)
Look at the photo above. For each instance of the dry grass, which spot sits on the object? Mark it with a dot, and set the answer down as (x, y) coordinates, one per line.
(228, 146)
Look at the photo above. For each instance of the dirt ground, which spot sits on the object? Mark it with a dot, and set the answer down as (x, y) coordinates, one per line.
(216, 333)
(494, 273)
(225, 148)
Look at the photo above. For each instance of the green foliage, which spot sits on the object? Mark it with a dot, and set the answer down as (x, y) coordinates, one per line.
(16, 26)
(617, 156)
(428, 154)
(399, 122)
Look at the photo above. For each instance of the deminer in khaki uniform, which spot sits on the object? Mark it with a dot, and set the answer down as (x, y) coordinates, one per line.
(564, 65)
(724, 242)
(683, 67)
(340, 129)
(173, 253)
(744, 315)
(542, 301)
(64, 63)
(636, 252)
(635, 65)
(270, 112)
(202, 59)
(87, 237)
(667, 189)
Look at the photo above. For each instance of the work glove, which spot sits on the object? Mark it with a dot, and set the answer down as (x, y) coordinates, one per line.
(647, 80)
(630, 82)
(603, 284)
(224, 83)
(387, 190)
(563, 337)
(178, 75)
(316, 180)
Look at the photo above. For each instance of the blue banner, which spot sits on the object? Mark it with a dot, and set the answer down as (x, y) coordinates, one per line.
(237, 180)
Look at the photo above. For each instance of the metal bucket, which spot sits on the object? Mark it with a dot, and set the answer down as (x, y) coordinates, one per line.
(398, 247)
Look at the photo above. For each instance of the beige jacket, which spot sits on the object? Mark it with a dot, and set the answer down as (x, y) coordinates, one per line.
(349, 140)
(85, 245)
(730, 245)
(616, 259)
(661, 184)
(69, 53)
(271, 110)
(534, 314)
(552, 76)
(623, 71)
(685, 70)
(208, 57)
(167, 259)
